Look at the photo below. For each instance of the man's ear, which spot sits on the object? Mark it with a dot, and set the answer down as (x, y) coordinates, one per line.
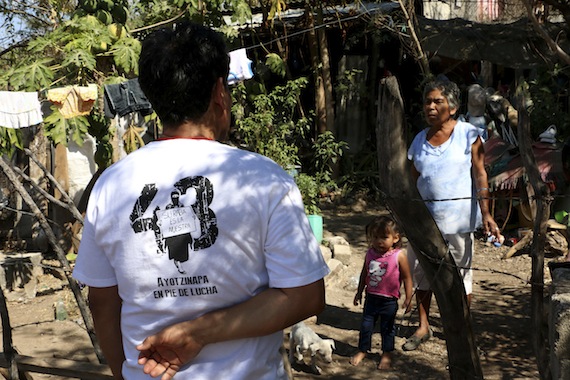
(219, 93)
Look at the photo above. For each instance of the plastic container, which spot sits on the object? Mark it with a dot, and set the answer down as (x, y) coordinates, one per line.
(316, 223)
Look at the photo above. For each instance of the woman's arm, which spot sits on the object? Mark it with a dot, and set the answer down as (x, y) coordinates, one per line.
(482, 187)
(406, 278)
(415, 173)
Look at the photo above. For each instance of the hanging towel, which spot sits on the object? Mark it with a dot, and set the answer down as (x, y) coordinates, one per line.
(240, 66)
(124, 98)
(19, 109)
(73, 101)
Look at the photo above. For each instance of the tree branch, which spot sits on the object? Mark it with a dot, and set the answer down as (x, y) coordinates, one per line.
(165, 22)
(15, 46)
(422, 58)
(544, 34)
(81, 302)
(47, 195)
(70, 204)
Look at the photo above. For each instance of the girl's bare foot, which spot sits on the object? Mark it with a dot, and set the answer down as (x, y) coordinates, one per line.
(385, 361)
(356, 359)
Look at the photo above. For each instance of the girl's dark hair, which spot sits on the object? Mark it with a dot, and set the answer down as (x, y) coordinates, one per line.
(383, 225)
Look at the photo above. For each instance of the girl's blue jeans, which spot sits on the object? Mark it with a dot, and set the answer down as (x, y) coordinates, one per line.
(378, 307)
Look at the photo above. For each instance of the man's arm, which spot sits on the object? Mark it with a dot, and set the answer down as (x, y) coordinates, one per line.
(105, 305)
(269, 311)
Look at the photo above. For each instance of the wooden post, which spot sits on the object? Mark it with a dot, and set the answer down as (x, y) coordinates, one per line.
(406, 205)
(81, 303)
(9, 351)
(325, 69)
(543, 199)
(320, 96)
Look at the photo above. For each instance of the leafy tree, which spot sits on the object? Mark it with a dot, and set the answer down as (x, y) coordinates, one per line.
(98, 41)
(88, 41)
(267, 122)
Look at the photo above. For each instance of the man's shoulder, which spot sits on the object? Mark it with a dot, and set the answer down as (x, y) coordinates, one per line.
(251, 159)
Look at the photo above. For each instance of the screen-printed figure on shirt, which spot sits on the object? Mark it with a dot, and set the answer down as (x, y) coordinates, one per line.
(178, 229)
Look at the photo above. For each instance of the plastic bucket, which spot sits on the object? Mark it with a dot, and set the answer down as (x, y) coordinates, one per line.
(316, 223)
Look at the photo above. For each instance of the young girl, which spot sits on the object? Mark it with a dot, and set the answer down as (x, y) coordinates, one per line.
(384, 269)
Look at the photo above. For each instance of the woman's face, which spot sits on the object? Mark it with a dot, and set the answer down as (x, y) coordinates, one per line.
(436, 108)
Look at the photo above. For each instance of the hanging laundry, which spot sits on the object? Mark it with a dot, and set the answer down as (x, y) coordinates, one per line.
(240, 66)
(19, 109)
(124, 98)
(73, 101)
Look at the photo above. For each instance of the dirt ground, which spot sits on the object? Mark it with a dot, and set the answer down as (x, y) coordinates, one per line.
(500, 311)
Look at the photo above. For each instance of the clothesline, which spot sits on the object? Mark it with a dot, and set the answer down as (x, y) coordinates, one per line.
(23, 109)
(19, 109)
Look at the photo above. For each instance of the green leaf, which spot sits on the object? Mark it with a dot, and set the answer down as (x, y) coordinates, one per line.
(56, 127)
(230, 32)
(10, 139)
(90, 42)
(242, 12)
(78, 127)
(126, 54)
(33, 76)
(41, 44)
(80, 58)
(276, 64)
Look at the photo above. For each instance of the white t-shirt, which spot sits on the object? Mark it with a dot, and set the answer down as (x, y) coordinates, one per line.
(445, 180)
(231, 220)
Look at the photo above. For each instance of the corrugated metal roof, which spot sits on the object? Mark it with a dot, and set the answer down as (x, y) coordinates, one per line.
(292, 15)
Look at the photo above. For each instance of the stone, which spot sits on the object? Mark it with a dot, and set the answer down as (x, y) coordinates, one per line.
(335, 267)
(334, 240)
(21, 271)
(326, 252)
(342, 253)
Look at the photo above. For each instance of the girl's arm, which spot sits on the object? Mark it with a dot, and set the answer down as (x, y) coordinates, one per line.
(361, 285)
(406, 278)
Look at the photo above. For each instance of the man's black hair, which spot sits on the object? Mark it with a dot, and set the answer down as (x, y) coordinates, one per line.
(178, 68)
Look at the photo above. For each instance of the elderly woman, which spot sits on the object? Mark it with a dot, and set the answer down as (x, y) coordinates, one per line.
(448, 165)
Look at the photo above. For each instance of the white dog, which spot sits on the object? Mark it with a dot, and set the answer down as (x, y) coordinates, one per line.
(302, 338)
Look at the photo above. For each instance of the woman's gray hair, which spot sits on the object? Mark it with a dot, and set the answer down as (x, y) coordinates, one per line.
(448, 89)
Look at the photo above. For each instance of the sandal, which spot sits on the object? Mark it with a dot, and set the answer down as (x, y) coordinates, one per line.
(414, 341)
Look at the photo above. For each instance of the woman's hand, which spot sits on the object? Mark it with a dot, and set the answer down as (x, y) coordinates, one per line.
(491, 227)
(407, 305)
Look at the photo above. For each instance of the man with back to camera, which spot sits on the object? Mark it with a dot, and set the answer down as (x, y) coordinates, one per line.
(253, 267)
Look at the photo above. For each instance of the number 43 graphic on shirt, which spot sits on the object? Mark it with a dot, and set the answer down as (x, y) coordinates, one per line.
(205, 215)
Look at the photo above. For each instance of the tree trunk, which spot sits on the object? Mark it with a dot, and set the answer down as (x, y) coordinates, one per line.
(81, 303)
(372, 83)
(543, 200)
(406, 205)
(326, 71)
(320, 97)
